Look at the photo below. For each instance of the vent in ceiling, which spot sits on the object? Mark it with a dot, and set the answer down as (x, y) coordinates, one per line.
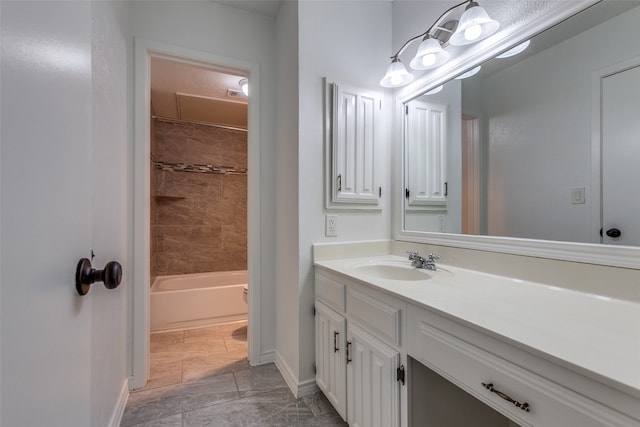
(236, 93)
(203, 109)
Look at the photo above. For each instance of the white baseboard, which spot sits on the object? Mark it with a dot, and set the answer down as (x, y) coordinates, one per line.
(302, 389)
(116, 417)
(307, 388)
(287, 374)
(265, 357)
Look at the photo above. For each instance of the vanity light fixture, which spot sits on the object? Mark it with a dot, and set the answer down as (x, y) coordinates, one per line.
(471, 72)
(244, 85)
(430, 55)
(397, 75)
(435, 90)
(514, 51)
(474, 25)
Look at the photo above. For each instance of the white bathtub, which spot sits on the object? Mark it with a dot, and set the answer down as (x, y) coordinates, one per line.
(196, 300)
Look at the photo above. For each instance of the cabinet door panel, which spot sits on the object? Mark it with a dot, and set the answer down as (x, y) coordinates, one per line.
(355, 121)
(373, 392)
(330, 356)
(426, 154)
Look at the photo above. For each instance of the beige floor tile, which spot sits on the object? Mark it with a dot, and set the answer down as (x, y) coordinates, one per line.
(167, 337)
(202, 367)
(164, 373)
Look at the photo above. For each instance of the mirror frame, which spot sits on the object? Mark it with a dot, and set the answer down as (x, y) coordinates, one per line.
(591, 253)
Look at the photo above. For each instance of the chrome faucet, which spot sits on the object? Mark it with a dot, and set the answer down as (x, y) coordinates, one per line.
(418, 262)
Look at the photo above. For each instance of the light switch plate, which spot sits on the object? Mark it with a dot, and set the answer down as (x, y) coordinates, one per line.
(577, 196)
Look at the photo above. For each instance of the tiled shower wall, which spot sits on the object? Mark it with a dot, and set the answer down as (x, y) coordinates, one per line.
(199, 221)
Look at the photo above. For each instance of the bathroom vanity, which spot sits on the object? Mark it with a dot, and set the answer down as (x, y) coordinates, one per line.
(538, 354)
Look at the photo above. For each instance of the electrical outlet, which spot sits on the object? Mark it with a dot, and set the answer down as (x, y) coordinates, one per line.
(331, 226)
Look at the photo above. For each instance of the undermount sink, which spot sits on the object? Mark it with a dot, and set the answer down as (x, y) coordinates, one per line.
(393, 272)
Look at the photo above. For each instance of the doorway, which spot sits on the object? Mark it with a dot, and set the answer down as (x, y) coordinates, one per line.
(620, 157)
(145, 53)
(616, 153)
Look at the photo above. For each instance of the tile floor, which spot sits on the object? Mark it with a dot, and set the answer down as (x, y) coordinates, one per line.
(201, 377)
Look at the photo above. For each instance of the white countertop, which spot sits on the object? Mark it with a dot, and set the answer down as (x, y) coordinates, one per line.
(598, 335)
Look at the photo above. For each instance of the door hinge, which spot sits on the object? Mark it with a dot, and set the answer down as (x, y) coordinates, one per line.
(379, 192)
(406, 193)
(313, 309)
(406, 109)
(315, 370)
(400, 374)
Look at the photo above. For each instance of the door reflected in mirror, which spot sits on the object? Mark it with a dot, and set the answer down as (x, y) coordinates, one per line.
(540, 145)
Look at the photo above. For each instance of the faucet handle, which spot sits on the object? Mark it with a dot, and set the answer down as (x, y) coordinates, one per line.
(433, 257)
(412, 255)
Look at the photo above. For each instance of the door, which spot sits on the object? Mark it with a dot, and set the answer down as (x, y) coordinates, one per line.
(373, 391)
(331, 373)
(64, 158)
(621, 157)
(46, 212)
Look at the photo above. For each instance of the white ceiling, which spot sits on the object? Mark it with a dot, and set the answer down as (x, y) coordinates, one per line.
(196, 93)
(261, 7)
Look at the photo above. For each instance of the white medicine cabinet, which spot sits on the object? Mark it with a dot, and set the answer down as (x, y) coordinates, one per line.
(353, 120)
(426, 155)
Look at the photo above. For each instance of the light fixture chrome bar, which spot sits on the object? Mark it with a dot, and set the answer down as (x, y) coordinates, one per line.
(436, 24)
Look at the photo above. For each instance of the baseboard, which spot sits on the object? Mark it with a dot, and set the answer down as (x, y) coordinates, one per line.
(116, 417)
(287, 374)
(265, 357)
(307, 388)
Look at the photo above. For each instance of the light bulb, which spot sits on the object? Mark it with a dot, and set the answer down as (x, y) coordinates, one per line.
(473, 32)
(428, 60)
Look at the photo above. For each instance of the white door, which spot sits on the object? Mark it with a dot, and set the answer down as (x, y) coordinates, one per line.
(331, 372)
(373, 393)
(63, 178)
(46, 212)
(621, 158)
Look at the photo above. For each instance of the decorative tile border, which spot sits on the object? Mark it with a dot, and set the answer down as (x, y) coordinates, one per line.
(195, 168)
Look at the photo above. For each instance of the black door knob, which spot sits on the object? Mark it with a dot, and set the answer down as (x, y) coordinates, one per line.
(111, 276)
(614, 233)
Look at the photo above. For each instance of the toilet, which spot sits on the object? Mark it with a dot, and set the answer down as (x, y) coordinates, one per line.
(245, 291)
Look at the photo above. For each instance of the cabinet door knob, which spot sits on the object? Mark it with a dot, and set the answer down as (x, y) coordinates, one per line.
(336, 334)
(111, 275)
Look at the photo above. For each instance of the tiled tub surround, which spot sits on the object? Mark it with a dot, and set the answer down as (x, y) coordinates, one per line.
(200, 196)
(583, 318)
(201, 377)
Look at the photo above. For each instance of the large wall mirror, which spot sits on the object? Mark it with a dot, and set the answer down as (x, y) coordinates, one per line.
(542, 145)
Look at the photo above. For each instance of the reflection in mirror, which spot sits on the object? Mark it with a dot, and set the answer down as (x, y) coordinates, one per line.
(524, 147)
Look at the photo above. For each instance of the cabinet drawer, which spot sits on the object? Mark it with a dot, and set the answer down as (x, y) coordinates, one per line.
(330, 292)
(380, 318)
(469, 367)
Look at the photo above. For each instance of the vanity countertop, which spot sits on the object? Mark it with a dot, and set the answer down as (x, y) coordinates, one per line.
(597, 336)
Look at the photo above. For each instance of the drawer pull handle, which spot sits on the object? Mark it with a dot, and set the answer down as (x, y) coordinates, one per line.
(335, 341)
(348, 352)
(524, 406)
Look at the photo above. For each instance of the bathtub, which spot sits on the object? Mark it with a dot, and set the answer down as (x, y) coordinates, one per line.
(196, 300)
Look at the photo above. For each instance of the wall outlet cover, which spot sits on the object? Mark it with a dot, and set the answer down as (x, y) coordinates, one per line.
(331, 226)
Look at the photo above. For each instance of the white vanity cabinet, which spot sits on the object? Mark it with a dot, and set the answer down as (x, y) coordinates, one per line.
(358, 353)
(514, 390)
(462, 350)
